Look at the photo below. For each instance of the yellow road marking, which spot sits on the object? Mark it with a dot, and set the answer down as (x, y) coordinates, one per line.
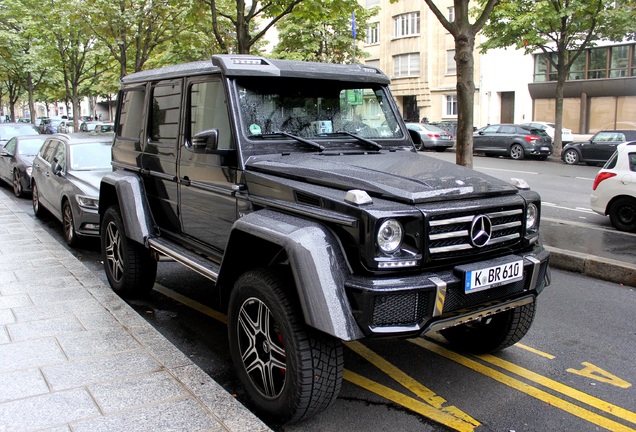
(191, 303)
(408, 402)
(561, 388)
(409, 383)
(535, 351)
(598, 374)
(526, 388)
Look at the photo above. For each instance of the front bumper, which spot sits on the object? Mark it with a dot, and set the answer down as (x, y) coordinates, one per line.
(415, 305)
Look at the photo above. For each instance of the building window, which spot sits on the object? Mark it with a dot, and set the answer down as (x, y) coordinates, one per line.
(540, 68)
(407, 25)
(373, 34)
(451, 14)
(598, 63)
(619, 61)
(406, 65)
(577, 70)
(450, 108)
(451, 65)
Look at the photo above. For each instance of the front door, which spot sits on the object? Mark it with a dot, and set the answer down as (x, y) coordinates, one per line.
(206, 175)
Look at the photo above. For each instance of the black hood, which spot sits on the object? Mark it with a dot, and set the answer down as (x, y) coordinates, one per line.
(401, 175)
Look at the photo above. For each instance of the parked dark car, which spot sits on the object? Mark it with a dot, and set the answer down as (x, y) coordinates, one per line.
(9, 130)
(598, 149)
(56, 126)
(16, 161)
(66, 175)
(512, 140)
(426, 136)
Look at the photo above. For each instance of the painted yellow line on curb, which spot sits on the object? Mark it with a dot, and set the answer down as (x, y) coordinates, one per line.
(191, 303)
(409, 383)
(514, 383)
(408, 402)
(535, 351)
(561, 388)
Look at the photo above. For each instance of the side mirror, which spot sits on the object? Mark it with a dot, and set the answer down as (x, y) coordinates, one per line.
(206, 141)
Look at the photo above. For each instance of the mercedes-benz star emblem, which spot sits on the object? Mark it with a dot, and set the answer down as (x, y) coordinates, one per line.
(480, 231)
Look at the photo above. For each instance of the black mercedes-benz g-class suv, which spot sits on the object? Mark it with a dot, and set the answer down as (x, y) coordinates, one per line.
(296, 189)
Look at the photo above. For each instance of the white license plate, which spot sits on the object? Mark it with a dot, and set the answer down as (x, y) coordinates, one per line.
(545, 148)
(489, 277)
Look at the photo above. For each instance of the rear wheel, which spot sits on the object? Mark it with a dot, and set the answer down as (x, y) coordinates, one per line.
(622, 214)
(17, 184)
(129, 266)
(493, 333)
(571, 157)
(516, 152)
(289, 371)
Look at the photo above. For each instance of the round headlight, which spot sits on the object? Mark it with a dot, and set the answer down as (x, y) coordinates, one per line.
(532, 216)
(390, 236)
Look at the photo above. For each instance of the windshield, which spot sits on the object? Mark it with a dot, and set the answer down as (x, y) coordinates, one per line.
(30, 147)
(7, 132)
(314, 108)
(90, 156)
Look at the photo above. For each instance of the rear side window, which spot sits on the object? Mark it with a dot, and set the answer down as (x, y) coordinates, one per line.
(632, 161)
(130, 113)
(508, 129)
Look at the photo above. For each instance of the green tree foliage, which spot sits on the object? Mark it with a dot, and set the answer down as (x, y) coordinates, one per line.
(133, 30)
(322, 31)
(464, 29)
(562, 29)
(245, 23)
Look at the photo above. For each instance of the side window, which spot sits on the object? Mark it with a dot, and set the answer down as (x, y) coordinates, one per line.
(164, 113)
(47, 150)
(59, 154)
(507, 130)
(208, 110)
(130, 113)
(632, 161)
(491, 129)
(10, 146)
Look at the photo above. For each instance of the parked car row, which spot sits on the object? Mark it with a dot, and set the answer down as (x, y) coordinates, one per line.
(62, 172)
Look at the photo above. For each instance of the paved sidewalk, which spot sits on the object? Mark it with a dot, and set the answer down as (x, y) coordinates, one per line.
(74, 356)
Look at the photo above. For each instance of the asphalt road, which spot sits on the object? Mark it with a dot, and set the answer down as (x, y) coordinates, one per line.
(573, 371)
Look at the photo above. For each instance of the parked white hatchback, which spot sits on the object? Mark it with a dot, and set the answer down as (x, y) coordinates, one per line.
(549, 128)
(614, 189)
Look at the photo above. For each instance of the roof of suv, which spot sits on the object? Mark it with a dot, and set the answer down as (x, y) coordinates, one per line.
(248, 65)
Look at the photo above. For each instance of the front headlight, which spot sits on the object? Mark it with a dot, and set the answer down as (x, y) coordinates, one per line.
(390, 235)
(87, 201)
(532, 217)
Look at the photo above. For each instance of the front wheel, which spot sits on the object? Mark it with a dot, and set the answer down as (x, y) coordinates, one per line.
(571, 157)
(516, 152)
(493, 333)
(69, 225)
(17, 184)
(129, 267)
(289, 371)
(622, 214)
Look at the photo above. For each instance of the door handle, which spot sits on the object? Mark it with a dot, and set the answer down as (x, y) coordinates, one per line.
(185, 181)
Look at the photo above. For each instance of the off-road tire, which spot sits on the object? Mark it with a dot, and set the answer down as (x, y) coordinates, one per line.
(516, 152)
(492, 334)
(289, 371)
(129, 267)
(622, 214)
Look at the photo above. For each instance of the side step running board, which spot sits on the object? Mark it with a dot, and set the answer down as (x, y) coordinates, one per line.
(186, 257)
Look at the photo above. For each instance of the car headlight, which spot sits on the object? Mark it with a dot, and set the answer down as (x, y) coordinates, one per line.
(532, 217)
(87, 201)
(390, 235)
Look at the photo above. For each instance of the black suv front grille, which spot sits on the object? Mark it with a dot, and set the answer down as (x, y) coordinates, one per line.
(449, 234)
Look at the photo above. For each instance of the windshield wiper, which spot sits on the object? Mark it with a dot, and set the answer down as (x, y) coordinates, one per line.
(295, 137)
(374, 145)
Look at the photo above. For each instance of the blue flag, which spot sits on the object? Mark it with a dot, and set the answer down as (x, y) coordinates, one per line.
(353, 24)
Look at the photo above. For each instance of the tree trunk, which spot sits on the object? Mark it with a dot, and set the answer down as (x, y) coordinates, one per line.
(464, 46)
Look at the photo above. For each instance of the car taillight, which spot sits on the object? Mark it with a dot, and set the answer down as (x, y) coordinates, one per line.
(602, 176)
(432, 135)
(531, 138)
